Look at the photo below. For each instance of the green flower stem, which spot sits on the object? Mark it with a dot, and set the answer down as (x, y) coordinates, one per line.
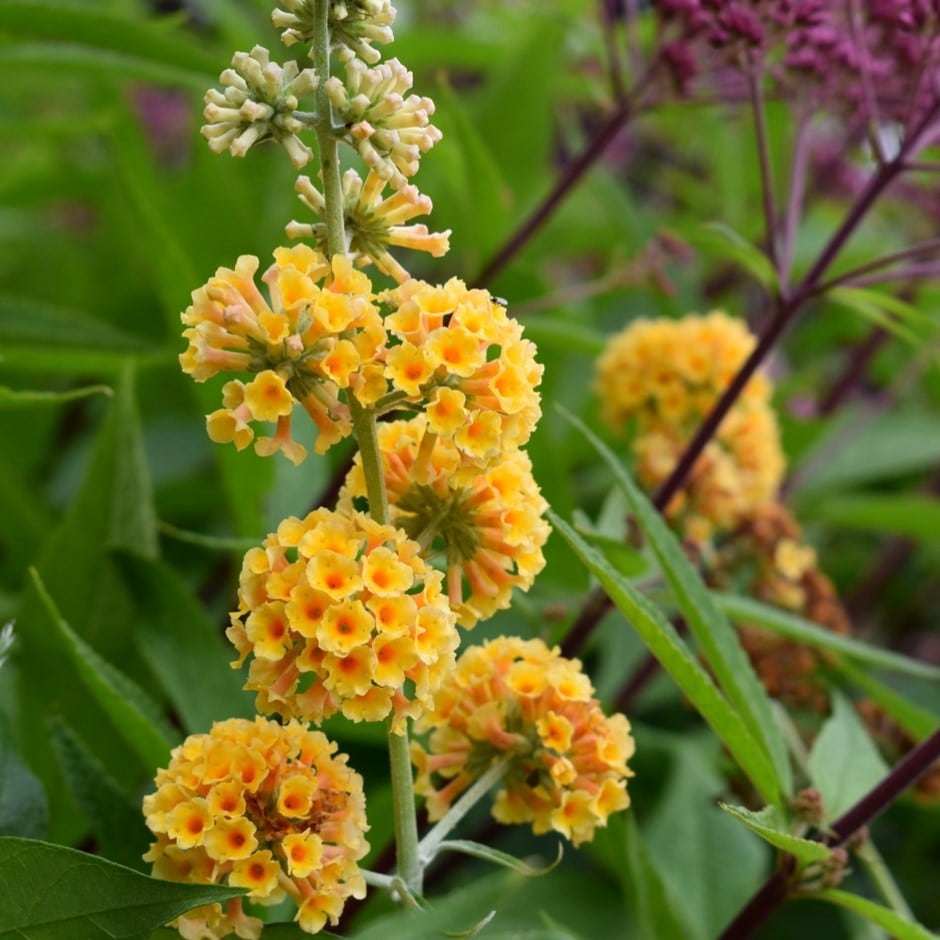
(406, 822)
(326, 139)
(363, 422)
(468, 799)
(881, 876)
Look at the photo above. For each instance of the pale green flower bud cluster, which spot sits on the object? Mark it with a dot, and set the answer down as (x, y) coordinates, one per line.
(389, 130)
(259, 102)
(354, 25)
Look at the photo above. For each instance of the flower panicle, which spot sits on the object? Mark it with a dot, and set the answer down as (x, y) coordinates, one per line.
(263, 806)
(258, 102)
(515, 698)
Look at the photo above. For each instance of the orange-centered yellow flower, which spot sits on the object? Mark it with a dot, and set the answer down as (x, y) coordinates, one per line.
(486, 525)
(665, 376)
(463, 360)
(339, 613)
(312, 342)
(568, 764)
(262, 806)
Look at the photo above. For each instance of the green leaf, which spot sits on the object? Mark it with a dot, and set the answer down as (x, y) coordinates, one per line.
(496, 857)
(564, 336)
(626, 559)
(23, 808)
(675, 657)
(782, 623)
(183, 647)
(719, 239)
(862, 449)
(906, 514)
(916, 721)
(890, 313)
(48, 892)
(770, 825)
(17, 398)
(136, 718)
(844, 763)
(896, 925)
(656, 915)
(104, 32)
(716, 638)
(116, 820)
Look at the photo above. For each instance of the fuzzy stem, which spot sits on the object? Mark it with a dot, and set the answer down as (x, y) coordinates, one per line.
(403, 805)
(468, 799)
(326, 139)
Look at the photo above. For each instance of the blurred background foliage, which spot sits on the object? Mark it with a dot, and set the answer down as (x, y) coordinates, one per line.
(112, 211)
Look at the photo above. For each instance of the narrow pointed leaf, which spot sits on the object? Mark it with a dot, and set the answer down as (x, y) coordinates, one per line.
(135, 716)
(805, 631)
(769, 825)
(897, 926)
(20, 398)
(715, 636)
(488, 854)
(49, 892)
(676, 658)
(23, 808)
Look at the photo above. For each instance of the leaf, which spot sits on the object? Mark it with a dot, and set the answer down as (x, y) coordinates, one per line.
(19, 398)
(656, 915)
(771, 827)
(565, 336)
(48, 892)
(890, 313)
(716, 638)
(899, 927)
(862, 449)
(504, 859)
(23, 808)
(906, 514)
(782, 623)
(844, 763)
(626, 559)
(719, 239)
(916, 721)
(135, 717)
(115, 819)
(183, 647)
(675, 657)
(102, 31)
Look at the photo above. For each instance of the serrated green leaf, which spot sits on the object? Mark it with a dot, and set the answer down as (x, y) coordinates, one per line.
(183, 647)
(49, 892)
(771, 827)
(23, 808)
(675, 657)
(716, 638)
(116, 820)
(22, 398)
(844, 763)
(900, 928)
(136, 718)
(782, 623)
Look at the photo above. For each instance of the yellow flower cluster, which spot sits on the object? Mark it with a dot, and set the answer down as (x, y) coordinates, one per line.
(312, 343)
(512, 697)
(486, 524)
(340, 613)
(464, 359)
(665, 375)
(262, 806)
(372, 222)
